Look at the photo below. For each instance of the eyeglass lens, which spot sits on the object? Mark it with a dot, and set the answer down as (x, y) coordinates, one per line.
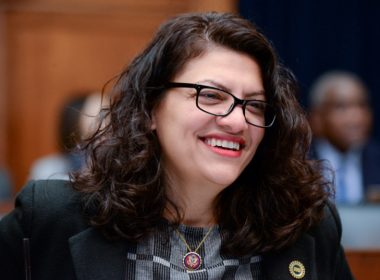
(220, 103)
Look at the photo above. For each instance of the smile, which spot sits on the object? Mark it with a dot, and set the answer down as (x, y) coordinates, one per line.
(225, 144)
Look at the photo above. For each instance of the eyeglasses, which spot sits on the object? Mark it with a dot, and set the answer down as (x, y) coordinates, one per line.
(218, 102)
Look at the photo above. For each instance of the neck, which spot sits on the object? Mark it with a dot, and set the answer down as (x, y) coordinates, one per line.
(199, 214)
(196, 205)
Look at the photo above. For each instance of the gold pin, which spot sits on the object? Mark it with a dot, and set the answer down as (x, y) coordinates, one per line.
(297, 269)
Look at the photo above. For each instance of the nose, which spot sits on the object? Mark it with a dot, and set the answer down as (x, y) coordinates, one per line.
(234, 122)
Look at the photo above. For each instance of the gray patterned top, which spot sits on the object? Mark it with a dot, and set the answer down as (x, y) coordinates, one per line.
(160, 257)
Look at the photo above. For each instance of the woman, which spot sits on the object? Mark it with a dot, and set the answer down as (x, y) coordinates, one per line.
(198, 172)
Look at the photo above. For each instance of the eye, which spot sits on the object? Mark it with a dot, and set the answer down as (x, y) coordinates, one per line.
(256, 107)
(212, 96)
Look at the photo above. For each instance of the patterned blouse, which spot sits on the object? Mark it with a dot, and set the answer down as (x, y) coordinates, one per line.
(161, 257)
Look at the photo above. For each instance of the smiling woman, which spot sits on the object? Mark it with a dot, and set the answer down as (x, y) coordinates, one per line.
(208, 169)
(198, 170)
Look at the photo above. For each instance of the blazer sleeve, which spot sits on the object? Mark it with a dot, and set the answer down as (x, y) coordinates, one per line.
(14, 227)
(319, 250)
(342, 270)
(47, 213)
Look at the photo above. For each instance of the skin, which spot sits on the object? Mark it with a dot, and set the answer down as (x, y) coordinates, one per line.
(198, 172)
(344, 118)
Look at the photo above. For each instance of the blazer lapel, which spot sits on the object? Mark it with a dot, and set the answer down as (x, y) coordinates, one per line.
(96, 258)
(276, 265)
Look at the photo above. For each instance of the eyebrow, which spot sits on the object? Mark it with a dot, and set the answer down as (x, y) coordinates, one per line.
(220, 86)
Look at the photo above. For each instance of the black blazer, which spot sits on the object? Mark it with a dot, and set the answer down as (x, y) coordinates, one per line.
(63, 246)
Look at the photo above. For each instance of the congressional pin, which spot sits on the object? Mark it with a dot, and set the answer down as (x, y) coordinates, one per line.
(297, 270)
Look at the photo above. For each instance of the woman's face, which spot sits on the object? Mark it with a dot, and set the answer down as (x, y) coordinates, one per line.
(188, 135)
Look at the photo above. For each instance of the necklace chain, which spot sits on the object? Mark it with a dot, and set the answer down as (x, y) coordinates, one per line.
(199, 245)
(192, 260)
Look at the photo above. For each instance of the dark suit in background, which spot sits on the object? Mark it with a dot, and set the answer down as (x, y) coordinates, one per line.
(369, 168)
(342, 119)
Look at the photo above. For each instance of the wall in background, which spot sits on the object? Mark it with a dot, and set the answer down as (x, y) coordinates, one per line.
(315, 36)
(49, 50)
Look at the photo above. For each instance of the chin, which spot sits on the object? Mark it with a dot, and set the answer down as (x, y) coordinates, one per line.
(223, 174)
(224, 180)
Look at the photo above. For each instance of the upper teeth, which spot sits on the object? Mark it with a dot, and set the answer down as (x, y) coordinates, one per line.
(223, 143)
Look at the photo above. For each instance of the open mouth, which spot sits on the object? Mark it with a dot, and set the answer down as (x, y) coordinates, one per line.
(223, 144)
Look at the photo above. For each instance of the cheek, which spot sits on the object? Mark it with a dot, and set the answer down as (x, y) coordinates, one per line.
(162, 117)
(257, 135)
(334, 121)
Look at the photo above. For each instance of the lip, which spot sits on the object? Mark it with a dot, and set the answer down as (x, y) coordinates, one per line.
(223, 151)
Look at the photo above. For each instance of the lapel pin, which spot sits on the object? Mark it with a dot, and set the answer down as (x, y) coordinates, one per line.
(297, 269)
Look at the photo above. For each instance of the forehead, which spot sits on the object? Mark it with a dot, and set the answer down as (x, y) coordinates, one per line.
(227, 67)
(345, 90)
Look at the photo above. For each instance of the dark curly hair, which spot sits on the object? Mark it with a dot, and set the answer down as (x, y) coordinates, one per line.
(277, 197)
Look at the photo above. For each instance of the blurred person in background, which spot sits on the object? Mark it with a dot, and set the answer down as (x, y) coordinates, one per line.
(77, 120)
(341, 119)
(5, 185)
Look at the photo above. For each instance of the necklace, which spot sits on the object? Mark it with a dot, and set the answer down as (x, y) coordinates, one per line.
(192, 260)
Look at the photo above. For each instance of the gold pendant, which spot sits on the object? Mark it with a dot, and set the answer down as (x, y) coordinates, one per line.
(192, 261)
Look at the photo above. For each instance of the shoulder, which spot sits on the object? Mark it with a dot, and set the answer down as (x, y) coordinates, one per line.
(49, 193)
(329, 230)
(329, 254)
(47, 213)
(318, 250)
(49, 203)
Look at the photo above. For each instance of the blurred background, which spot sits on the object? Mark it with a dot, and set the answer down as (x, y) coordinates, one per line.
(54, 50)
(313, 37)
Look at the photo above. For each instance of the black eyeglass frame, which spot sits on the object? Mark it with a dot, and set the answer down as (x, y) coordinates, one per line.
(237, 101)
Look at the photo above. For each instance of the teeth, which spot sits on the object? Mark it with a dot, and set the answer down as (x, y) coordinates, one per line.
(223, 143)
(213, 142)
